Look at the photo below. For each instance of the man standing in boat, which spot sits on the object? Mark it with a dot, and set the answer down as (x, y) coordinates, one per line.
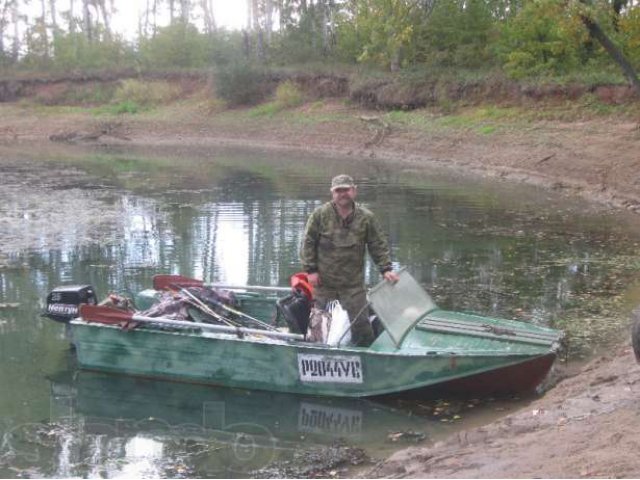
(336, 237)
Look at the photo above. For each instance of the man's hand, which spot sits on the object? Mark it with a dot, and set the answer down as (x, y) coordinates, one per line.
(314, 279)
(391, 276)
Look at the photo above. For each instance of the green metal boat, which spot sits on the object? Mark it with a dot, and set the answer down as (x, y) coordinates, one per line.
(422, 348)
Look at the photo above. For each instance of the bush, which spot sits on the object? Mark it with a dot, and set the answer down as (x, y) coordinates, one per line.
(241, 84)
(126, 107)
(288, 95)
(145, 94)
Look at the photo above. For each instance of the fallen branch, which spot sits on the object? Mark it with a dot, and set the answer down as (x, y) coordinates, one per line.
(545, 159)
(109, 129)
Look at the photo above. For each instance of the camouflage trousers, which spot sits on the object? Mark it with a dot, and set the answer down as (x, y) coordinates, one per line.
(354, 301)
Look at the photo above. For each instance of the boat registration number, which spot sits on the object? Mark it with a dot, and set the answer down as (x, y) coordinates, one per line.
(314, 418)
(334, 368)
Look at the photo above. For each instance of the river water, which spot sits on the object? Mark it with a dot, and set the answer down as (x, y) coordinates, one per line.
(113, 219)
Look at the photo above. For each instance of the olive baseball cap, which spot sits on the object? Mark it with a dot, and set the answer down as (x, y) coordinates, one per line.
(342, 181)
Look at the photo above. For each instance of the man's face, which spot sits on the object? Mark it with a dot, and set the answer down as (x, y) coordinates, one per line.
(343, 197)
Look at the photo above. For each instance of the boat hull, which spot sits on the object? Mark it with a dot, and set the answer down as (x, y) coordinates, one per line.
(297, 367)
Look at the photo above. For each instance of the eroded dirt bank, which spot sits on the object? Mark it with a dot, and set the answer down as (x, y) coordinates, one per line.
(586, 426)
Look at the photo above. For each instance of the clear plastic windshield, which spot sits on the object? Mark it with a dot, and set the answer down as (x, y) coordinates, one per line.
(399, 306)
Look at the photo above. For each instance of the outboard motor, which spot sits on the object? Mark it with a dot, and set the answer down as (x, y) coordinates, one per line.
(63, 302)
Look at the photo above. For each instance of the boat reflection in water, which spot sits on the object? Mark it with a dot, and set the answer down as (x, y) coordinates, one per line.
(125, 425)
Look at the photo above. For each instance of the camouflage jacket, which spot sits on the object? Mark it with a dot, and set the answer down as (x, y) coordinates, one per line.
(335, 248)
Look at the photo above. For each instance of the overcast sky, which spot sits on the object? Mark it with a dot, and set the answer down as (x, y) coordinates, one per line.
(231, 14)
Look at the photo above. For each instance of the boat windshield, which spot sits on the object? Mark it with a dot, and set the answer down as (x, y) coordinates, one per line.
(401, 305)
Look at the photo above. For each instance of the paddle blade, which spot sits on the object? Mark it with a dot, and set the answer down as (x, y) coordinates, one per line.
(102, 314)
(170, 282)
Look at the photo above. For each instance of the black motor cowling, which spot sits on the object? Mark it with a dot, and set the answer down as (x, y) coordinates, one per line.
(63, 302)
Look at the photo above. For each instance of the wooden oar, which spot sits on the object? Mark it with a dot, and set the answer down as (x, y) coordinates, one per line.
(241, 314)
(162, 281)
(472, 332)
(112, 316)
(205, 308)
(507, 331)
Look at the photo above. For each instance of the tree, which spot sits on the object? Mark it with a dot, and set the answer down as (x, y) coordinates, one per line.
(106, 16)
(43, 29)
(455, 34)
(614, 52)
(86, 20)
(381, 32)
(209, 19)
(15, 17)
(177, 45)
(185, 10)
(72, 21)
(54, 19)
(6, 8)
(541, 39)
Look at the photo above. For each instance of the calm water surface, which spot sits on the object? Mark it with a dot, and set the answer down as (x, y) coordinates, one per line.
(115, 219)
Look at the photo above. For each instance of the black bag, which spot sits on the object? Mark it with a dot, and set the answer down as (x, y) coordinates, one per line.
(296, 309)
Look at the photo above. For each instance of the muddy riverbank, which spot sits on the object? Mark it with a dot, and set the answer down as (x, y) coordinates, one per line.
(584, 426)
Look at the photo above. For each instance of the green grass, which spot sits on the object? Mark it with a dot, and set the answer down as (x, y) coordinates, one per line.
(126, 107)
(485, 120)
(265, 110)
(487, 129)
(417, 119)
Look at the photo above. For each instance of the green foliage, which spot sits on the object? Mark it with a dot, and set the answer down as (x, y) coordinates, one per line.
(630, 35)
(265, 110)
(127, 106)
(288, 95)
(295, 46)
(487, 129)
(383, 33)
(179, 45)
(457, 35)
(526, 39)
(305, 36)
(241, 84)
(145, 94)
(37, 46)
(74, 52)
(225, 47)
(540, 40)
(96, 94)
